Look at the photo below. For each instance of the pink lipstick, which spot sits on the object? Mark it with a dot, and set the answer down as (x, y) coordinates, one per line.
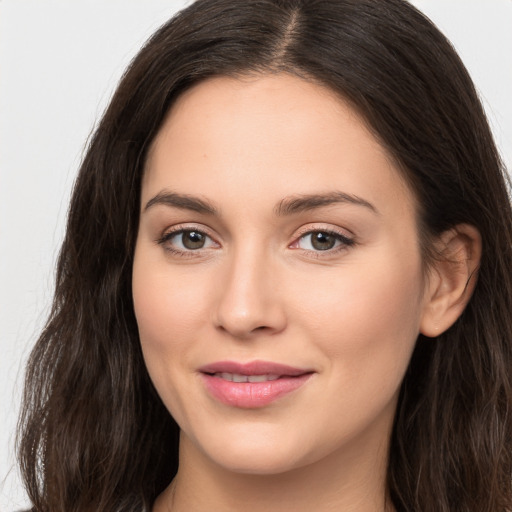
(251, 385)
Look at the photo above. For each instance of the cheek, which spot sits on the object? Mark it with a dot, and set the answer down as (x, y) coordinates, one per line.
(366, 319)
(366, 336)
(169, 312)
(167, 309)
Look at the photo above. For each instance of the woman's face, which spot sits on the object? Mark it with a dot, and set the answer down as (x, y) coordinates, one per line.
(277, 281)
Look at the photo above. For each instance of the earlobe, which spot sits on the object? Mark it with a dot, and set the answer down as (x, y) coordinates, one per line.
(452, 278)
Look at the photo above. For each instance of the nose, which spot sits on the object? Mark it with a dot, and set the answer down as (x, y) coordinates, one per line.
(249, 297)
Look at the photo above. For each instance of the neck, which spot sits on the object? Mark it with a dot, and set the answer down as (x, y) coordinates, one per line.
(326, 485)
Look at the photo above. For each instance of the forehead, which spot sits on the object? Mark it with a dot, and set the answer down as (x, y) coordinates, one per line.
(269, 135)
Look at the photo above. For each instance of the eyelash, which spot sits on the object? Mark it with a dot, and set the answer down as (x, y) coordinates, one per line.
(344, 241)
(177, 230)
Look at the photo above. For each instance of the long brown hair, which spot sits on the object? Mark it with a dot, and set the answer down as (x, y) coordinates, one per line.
(94, 435)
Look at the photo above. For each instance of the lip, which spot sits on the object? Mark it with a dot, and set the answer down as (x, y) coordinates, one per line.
(252, 395)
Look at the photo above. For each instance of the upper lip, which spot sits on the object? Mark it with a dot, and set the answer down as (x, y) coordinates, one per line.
(253, 368)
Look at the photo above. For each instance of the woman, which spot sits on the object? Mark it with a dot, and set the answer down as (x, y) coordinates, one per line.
(287, 263)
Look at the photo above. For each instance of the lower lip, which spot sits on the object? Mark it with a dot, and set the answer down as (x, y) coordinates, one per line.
(251, 395)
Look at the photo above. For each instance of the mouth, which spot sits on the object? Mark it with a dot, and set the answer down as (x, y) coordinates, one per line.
(251, 385)
(238, 377)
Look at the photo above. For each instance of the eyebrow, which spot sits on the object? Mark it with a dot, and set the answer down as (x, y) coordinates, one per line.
(285, 207)
(182, 201)
(302, 203)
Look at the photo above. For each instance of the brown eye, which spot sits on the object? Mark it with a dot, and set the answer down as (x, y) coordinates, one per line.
(322, 241)
(193, 239)
(186, 241)
(318, 241)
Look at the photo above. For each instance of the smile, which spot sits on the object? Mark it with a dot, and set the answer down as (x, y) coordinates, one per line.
(237, 377)
(251, 385)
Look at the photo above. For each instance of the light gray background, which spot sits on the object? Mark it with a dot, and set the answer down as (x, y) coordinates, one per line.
(59, 63)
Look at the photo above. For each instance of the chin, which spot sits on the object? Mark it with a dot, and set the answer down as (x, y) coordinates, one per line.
(262, 464)
(246, 453)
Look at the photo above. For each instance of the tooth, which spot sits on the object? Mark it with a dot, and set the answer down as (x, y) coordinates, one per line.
(236, 377)
(258, 378)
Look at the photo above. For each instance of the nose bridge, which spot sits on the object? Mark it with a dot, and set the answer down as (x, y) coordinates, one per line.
(248, 299)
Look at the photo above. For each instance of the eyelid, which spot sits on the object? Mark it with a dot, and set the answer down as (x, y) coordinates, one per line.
(346, 240)
(325, 228)
(172, 231)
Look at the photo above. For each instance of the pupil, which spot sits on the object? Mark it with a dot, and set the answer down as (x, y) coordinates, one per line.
(323, 241)
(192, 239)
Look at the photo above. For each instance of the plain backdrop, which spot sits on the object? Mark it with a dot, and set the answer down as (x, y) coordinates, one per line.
(59, 64)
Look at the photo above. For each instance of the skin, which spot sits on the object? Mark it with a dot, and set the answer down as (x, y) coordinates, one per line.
(259, 290)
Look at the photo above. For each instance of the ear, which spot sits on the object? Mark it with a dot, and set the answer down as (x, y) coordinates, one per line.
(452, 278)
